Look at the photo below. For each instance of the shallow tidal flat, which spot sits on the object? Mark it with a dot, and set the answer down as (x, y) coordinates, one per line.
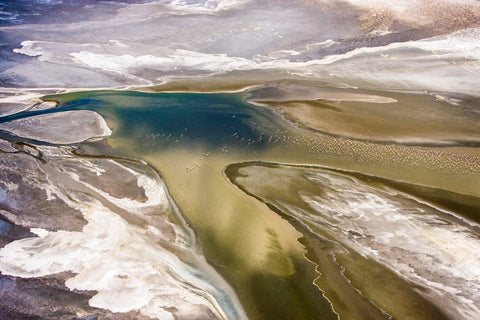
(369, 222)
(388, 117)
(366, 224)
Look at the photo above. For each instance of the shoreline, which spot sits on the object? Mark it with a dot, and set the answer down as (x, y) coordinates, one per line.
(322, 93)
(463, 153)
(362, 157)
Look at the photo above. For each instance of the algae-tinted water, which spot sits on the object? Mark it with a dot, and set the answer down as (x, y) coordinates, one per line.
(191, 138)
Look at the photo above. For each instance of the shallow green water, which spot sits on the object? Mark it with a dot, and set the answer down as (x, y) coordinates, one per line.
(191, 139)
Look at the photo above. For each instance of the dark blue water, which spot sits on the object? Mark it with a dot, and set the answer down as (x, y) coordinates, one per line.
(163, 120)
